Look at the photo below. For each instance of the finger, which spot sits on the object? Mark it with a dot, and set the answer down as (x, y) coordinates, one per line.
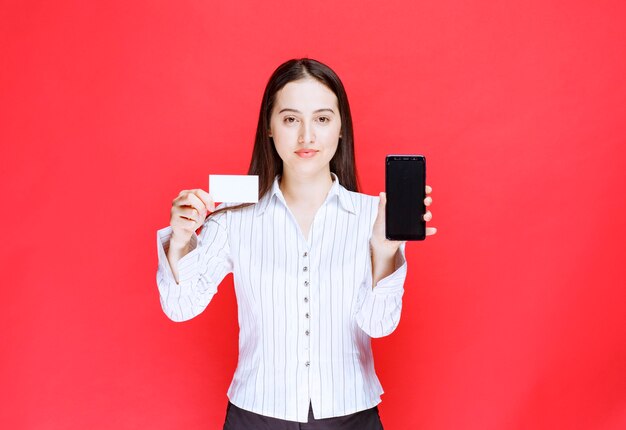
(430, 231)
(182, 196)
(428, 201)
(206, 198)
(191, 198)
(188, 208)
(427, 216)
(189, 212)
(428, 189)
(195, 201)
(185, 224)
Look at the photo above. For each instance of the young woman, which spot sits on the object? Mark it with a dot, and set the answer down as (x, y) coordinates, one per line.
(314, 275)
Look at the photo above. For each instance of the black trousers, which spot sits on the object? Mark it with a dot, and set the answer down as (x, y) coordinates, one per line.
(240, 419)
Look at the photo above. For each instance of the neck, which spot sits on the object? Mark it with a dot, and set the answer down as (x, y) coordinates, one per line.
(308, 190)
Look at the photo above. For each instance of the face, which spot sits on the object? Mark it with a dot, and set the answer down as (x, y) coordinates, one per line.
(305, 124)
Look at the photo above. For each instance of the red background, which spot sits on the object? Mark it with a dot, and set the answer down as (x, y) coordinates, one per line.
(514, 313)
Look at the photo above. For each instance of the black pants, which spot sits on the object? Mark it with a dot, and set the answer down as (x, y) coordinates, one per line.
(240, 419)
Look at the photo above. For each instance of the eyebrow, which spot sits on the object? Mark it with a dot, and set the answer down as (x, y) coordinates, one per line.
(297, 111)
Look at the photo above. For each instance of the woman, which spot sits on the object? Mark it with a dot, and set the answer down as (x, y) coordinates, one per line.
(314, 275)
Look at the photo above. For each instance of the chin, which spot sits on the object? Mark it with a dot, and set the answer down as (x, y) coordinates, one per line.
(306, 167)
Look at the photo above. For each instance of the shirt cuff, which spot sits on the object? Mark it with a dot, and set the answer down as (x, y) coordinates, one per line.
(394, 283)
(163, 242)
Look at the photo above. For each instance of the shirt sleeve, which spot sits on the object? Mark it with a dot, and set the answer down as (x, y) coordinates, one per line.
(199, 272)
(379, 308)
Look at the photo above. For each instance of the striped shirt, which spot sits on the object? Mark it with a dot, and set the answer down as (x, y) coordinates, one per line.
(306, 308)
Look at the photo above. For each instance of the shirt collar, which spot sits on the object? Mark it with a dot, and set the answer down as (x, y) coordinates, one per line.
(343, 195)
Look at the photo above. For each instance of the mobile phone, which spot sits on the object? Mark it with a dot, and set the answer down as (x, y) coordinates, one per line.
(405, 185)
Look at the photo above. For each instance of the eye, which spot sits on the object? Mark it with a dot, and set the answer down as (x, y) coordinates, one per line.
(323, 119)
(289, 119)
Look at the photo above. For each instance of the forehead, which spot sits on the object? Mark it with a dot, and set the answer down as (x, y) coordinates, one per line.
(305, 95)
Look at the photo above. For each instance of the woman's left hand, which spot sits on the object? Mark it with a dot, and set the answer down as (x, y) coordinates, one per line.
(379, 242)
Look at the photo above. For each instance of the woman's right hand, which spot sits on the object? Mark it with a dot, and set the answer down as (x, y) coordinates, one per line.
(189, 210)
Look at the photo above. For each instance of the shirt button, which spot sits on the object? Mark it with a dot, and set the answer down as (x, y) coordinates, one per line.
(307, 364)
(304, 269)
(307, 332)
(307, 315)
(306, 283)
(306, 300)
(306, 254)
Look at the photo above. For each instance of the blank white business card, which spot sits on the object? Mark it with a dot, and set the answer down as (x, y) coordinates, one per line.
(234, 188)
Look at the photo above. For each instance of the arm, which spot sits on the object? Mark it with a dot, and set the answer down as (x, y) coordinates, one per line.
(176, 250)
(384, 263)
(188, 281)
(380, 301)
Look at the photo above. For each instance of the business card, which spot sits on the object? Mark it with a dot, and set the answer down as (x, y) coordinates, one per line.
(234, 188)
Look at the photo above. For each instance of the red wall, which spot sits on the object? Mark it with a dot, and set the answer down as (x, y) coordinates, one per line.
(514, 314)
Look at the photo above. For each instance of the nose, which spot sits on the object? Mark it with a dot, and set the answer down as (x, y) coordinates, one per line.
(306, 133)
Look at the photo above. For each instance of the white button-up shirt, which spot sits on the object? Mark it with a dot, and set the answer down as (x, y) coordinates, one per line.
(306, 308)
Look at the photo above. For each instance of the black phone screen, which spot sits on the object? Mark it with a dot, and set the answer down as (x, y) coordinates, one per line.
(405, 185)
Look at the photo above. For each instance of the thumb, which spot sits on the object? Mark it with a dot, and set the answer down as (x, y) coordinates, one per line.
(380, 218)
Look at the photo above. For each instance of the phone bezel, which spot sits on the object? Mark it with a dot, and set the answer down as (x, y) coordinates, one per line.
(389, 159)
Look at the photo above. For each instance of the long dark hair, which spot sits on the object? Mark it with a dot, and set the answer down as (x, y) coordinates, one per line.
(266, 163)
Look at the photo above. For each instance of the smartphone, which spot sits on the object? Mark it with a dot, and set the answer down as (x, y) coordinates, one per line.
(405, 185)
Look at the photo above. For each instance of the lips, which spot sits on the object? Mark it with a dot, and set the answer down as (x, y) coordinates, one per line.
(306, 153)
